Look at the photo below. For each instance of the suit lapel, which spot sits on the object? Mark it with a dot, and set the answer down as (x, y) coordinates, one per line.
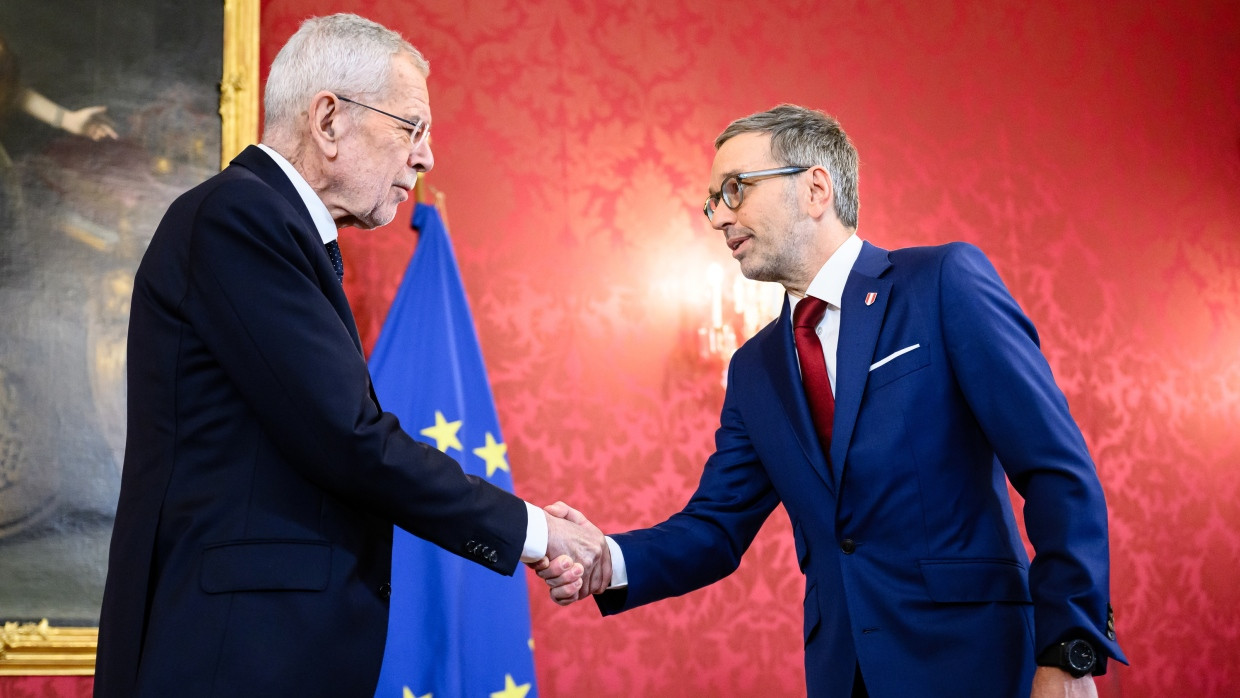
(860, 322)
(260, 163)
(780, 358)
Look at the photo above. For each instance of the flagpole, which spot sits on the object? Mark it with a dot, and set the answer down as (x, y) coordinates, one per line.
(440, 202)
(419, 189)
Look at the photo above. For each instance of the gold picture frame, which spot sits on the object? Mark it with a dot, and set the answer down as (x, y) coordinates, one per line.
(239, 85)
(40, 648)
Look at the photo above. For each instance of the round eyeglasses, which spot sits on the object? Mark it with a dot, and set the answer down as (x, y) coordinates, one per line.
(733, 189)
(418, 130)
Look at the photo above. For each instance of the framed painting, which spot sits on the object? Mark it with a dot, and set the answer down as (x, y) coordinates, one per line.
(109, 109)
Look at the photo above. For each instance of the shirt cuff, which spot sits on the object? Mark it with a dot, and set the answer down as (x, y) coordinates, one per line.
(535, 534)
(619, 573)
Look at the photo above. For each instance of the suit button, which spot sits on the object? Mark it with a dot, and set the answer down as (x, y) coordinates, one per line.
(385, 590)
(848, 546)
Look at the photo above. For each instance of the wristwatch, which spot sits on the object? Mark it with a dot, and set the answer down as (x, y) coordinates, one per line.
(1077, 657)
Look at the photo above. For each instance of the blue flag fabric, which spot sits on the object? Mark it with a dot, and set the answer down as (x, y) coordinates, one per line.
(456, 628)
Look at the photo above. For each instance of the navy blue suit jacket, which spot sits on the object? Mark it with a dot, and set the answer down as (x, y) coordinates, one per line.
(915, 570)
(251, 553)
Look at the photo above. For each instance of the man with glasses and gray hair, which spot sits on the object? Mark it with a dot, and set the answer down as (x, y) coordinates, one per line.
(886, 408)
(251, 554)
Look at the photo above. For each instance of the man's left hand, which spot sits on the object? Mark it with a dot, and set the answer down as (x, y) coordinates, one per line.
(1053, 682)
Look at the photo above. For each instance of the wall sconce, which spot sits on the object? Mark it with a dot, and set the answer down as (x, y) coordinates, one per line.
(738, 309)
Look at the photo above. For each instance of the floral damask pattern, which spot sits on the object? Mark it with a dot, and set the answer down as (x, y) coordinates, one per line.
(1091, 150)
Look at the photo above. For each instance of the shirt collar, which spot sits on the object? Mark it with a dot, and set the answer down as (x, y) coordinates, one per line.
(318, 211)
(828, 284)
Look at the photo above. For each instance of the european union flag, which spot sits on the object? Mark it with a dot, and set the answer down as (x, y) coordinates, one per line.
(456, 629)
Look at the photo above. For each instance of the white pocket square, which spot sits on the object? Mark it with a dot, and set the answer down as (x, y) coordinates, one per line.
(892, 355)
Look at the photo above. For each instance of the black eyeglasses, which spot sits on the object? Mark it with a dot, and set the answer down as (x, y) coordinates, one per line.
(419, 132)
(733, 188)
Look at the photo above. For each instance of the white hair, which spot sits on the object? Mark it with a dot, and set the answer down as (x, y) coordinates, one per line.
(342, 53)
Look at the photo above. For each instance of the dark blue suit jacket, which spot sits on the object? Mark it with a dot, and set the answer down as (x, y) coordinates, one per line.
(251, 553)
(914, 566)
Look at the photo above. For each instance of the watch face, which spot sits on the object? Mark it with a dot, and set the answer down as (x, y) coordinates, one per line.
(1080, 656)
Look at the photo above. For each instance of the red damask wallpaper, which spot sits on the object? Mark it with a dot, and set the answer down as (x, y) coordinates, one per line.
(1091, 149)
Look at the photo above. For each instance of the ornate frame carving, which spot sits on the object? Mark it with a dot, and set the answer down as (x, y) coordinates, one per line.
(239, 85)
(39, 648)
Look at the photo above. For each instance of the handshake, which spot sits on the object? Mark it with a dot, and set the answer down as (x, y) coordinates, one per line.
(578, 560)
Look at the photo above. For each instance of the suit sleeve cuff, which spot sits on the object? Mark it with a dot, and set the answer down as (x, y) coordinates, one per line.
(619, 572)
(535, 534)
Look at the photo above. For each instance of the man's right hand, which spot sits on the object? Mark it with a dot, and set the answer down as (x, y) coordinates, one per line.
(578, 561)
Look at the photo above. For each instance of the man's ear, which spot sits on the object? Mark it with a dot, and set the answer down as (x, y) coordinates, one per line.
(327, 123)
(821, 192)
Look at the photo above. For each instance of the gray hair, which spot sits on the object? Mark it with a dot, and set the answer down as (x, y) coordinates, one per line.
(801, 136)
(343, 53)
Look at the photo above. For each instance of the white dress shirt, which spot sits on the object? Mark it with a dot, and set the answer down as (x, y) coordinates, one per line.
(536, 521)
(828, 285)
(318, 211)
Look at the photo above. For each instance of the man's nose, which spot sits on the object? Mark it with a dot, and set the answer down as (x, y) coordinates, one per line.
(722, 217)
(421, 158)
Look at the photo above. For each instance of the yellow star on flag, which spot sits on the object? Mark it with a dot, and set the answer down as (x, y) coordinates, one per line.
(494, 454)
(444, 433)
(511, 689)
(409, 694)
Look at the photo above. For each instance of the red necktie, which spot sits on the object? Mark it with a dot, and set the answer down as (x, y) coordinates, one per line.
(805, 319)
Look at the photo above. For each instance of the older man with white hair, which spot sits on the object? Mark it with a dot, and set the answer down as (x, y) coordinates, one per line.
(252, 548)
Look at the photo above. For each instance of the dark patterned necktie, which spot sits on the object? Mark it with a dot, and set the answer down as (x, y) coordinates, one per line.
(805, 319)
(333, 252)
